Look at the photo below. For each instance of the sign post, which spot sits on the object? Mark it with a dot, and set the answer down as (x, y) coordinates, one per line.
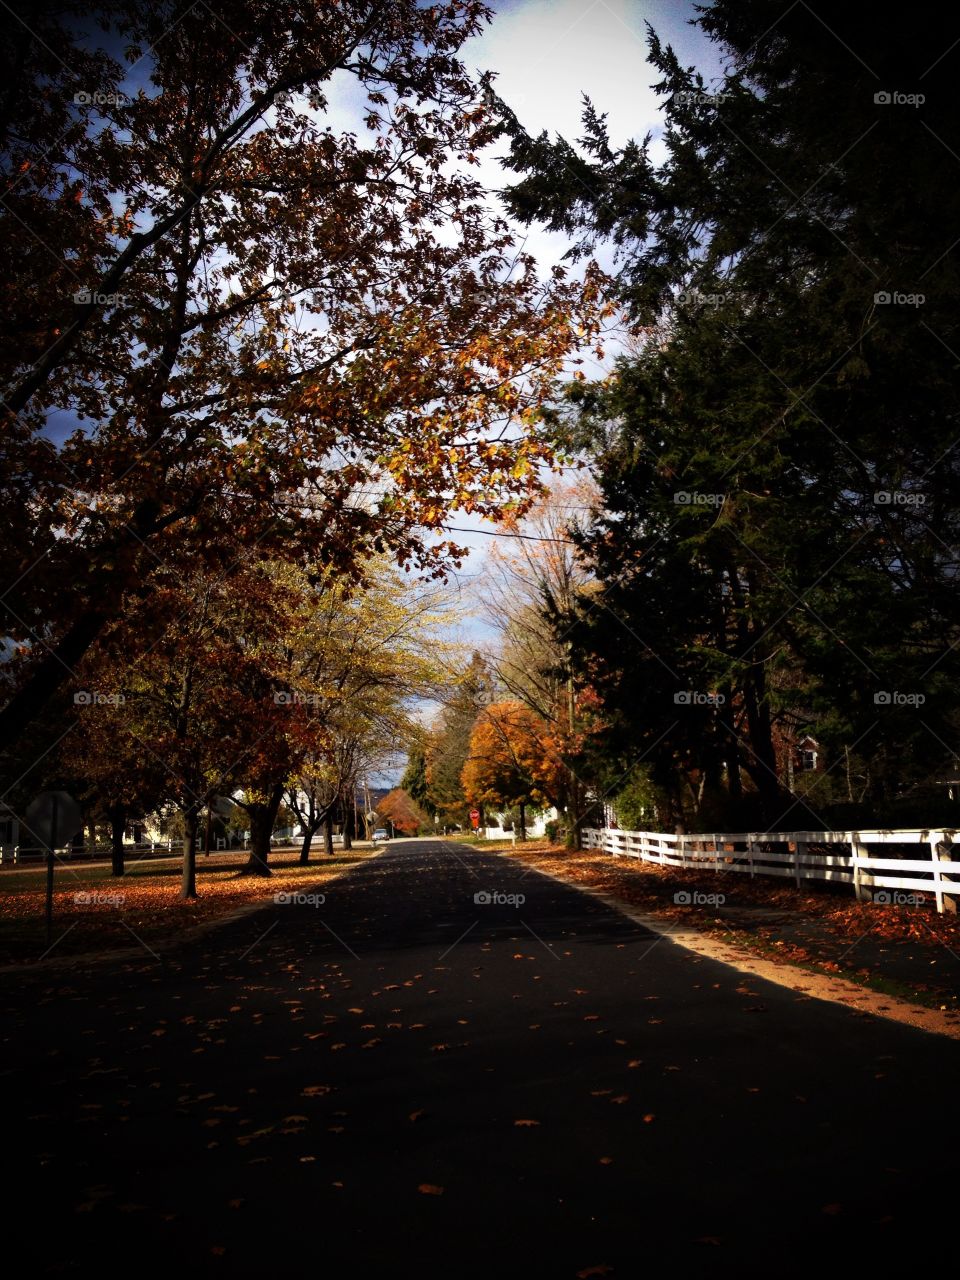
(53, 818)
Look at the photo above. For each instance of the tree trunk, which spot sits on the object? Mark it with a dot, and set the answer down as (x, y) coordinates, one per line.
(262, 820)
(347, 826)
(188, 884)
(573, 837)
(328, 833)
(117, 815)
(523, 825)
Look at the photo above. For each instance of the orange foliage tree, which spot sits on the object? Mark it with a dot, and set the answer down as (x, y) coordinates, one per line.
(511, 761)
(400, 809)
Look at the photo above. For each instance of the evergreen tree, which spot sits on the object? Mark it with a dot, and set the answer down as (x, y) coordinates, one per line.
(777, 460)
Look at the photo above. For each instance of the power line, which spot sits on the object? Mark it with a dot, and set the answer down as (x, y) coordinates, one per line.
(492, 533)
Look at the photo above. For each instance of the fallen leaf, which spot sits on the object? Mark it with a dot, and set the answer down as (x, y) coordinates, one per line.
(525, 1124)
(428, 1189)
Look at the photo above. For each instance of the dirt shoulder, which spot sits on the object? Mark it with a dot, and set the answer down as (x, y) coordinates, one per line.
(909, 954)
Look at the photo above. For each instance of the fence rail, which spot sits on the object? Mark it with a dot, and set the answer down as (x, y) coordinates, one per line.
(911, 864)
(24, 855)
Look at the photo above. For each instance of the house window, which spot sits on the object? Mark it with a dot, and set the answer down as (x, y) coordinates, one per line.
(808, 759)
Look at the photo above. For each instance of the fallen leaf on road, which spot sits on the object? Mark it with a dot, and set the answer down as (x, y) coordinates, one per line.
(649, 1118)
(832, 1209)
(525, 1124)
(417, 1115)
(621, 1098)
(428, 1189)
(606, 1160)
(601, 1269)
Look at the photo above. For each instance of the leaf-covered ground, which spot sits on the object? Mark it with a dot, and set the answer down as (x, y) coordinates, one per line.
(96, 912)
(913, 952)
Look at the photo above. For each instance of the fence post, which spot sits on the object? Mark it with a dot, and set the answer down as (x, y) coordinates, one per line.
(945, 900)
(800, 847)
(858, 850)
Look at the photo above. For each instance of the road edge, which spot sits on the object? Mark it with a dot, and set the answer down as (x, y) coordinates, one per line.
(816, 986)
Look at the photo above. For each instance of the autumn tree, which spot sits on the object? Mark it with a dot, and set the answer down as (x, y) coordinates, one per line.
(534, 579)
(354, 662)
(118, 777)
(250, 323)
(448, 746)
(509, 762)
(400, 809)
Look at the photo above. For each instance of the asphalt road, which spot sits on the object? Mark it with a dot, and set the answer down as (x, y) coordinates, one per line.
(403, 1078)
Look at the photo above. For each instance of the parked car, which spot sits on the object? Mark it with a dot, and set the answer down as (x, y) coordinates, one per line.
(380, 834)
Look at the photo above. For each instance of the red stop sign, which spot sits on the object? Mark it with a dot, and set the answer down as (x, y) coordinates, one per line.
(475, 817)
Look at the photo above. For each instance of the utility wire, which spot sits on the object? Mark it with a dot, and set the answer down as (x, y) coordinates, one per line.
(493, 533)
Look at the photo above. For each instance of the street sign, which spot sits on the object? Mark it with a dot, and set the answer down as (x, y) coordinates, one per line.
(52, 819)
(475, 818)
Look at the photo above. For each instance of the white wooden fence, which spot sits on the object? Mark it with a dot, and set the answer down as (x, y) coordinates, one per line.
(906, 867)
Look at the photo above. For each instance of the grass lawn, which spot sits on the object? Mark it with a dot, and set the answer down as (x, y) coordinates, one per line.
(480, 842)
(94, 911)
